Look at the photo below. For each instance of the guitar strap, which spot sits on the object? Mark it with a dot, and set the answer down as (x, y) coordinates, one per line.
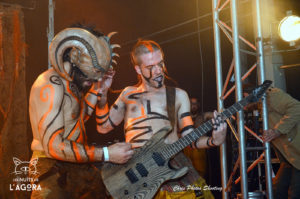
(180, 160)
(170, 94)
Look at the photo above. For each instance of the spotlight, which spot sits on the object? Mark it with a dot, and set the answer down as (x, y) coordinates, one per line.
(289, 28)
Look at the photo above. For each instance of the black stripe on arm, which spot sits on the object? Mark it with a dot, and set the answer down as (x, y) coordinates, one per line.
(186, 128)
(185, 115)
(92, 93)
(89, 106)
(139, 141)
(111, 123)
(115, 106)
(72, 149)
(102, 116)
(101, 123)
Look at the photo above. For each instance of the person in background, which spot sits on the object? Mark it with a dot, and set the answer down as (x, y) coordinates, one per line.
(284, 135)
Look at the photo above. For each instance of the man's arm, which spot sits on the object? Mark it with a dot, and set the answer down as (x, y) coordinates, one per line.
(284, 104)
(108, 118)
(46, 108)
(90, 99)
(185, 123)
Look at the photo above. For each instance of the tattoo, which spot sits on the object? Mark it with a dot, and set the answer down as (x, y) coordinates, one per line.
(185, 115)
(186, 128)
(115, 106)
(147, 78)
(134, 139)
(149, 111)
(54, 79)
(51, 104)
(136, 95)
(111, 123)
(102, 116)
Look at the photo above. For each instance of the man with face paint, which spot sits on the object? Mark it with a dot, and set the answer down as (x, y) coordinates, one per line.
(143, 107)
(61, 100)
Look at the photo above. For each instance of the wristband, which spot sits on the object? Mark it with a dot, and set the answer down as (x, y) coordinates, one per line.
(212, 142)
(207, 142)
(105, 154)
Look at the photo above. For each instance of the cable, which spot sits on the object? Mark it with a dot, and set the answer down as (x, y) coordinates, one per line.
(201, 57)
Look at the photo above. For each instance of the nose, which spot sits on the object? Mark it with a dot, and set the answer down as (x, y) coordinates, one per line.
(157, 69)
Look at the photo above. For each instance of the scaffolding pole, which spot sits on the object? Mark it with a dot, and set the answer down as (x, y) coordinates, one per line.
(219, 83)
(261, 79)
(218, 25)
(238, 97)
(50, 31)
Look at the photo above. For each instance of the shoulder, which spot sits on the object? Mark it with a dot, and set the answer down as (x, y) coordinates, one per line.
(128, 90)
(182, 98)
(49, 82)
(181, 94)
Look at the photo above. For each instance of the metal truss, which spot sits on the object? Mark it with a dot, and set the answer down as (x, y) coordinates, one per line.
(232, 34)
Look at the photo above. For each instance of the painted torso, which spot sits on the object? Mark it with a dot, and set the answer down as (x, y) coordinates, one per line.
(146, 113)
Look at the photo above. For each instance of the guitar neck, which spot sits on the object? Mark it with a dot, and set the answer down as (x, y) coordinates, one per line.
(172, 149)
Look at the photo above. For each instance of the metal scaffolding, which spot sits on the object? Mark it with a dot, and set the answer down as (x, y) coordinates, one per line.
(234, 38)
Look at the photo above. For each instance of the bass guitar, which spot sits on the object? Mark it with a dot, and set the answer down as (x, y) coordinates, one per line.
(148, 169)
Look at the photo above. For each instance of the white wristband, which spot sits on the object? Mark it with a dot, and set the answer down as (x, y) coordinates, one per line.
(105, 153)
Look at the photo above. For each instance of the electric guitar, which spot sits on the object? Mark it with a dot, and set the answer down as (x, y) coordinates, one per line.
(148, 169)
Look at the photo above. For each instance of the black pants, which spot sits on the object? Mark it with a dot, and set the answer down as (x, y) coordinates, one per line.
(287, 182)
(64, 180)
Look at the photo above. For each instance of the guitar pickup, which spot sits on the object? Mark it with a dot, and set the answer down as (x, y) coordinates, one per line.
(131, 176)
(158, 159)
(141, 169)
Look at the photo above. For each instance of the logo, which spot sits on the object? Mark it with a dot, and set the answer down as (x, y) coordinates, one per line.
(22, 181)
(25, 167)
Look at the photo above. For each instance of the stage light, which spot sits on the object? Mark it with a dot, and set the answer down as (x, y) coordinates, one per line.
(289, 28)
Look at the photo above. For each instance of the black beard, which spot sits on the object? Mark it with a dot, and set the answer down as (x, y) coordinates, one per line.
(78, 78)
(160, 83)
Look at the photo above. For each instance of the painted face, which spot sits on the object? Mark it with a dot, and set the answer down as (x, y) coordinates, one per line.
(82, 82)
(152, 69)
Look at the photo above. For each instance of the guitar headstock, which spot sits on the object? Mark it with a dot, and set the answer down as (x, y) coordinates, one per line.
(258, 92)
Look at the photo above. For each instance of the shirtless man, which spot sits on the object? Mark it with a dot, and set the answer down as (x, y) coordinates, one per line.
(61, 100)
(143, 107)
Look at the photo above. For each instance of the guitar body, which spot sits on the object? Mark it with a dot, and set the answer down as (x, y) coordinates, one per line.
(143, 174)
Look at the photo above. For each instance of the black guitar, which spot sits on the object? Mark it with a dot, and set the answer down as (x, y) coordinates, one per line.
(148, 169)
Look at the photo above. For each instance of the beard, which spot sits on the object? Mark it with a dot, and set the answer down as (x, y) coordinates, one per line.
(81, 80)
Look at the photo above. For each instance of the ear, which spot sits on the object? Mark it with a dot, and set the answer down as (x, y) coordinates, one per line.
(34, 161)
(138, 69)
(17, 161)
(74, 56)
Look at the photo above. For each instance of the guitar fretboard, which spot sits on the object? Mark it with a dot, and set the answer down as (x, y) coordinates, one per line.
(172, 149)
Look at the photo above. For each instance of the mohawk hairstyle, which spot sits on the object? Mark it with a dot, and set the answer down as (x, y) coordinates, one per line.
(143, 47)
